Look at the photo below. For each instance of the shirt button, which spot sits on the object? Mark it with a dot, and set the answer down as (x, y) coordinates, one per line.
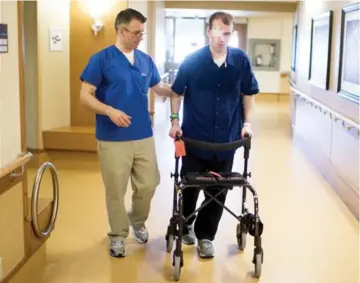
(217, 98)
(218, 85)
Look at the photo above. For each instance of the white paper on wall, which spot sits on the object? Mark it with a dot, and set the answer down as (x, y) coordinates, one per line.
(56, 39)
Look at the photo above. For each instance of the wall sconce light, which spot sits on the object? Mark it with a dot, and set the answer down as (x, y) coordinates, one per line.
(96, 9)
(97, 26)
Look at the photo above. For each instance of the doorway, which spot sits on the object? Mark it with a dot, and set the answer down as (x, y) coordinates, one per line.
(30, 68)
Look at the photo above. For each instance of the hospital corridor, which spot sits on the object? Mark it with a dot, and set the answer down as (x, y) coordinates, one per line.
(309, 234)
(304, 154)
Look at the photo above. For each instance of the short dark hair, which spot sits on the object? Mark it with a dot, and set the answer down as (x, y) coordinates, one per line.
(226, 18)
(125, 17)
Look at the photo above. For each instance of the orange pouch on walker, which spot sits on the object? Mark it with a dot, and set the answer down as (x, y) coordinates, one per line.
(180, 148)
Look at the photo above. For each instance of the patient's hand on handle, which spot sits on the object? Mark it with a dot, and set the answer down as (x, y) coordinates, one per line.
(246, 131)
(175, 130)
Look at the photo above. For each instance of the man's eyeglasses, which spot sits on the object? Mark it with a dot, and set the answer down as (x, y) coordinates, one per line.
(136, 33)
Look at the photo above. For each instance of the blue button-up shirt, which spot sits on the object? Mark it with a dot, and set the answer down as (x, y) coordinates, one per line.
(213, 105)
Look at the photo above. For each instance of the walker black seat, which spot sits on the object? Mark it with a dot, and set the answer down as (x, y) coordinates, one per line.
(214, 179)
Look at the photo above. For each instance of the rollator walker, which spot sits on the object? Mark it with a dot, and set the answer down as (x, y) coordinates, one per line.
(248, 222)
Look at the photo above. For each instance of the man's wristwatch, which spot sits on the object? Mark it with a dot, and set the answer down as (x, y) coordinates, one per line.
(246, 125)
(174, 116)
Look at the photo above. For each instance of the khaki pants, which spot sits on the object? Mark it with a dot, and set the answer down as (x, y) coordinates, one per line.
(120, 161)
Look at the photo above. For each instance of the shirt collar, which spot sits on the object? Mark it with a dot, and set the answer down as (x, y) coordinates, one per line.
(229, 56)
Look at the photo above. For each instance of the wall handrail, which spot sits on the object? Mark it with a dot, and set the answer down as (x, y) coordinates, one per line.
(346, 122)
(20, 161)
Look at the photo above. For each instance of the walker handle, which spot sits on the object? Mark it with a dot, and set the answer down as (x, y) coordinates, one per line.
(217, 146)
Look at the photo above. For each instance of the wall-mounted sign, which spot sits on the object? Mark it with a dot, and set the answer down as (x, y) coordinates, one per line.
(4, 38)
(56, 39)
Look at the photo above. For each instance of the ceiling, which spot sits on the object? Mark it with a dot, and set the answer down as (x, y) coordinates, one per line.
(203, 13)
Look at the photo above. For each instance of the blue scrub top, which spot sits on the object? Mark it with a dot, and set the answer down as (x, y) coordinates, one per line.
(122, 86)
(213, 106)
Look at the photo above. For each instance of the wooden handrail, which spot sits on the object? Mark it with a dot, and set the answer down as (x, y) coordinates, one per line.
(19, 162)
(346, 122)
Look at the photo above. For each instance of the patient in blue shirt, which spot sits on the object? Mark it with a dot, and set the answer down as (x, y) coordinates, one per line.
(218, 87)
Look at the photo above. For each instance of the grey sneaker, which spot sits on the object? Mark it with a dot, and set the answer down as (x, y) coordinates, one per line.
(189, 238)
(117, 249)
(140, 234)
(205, 249)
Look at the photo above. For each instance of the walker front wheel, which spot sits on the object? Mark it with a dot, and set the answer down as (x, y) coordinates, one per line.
(258, 260)
(169, 243)
(177, 268)
(241, 237)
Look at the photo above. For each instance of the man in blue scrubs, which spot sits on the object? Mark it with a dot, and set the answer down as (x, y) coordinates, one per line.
(218, 87)
(115, 85)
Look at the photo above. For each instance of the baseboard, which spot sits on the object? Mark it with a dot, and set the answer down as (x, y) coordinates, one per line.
(344, 190)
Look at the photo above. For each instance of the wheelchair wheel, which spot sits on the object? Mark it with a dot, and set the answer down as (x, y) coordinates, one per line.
(169, 243)
(241, 237)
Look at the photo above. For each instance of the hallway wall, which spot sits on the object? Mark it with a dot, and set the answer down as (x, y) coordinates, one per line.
(59, 83)
(18, 242)
(53, 67)
(274, 6)
(12, 249)
(279, 27)
(329, 98)
(326, 141)
(83, 43)
(10, 131)
(52, 77)
(46, 74)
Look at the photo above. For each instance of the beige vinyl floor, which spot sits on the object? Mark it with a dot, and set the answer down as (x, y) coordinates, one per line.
(309, 234)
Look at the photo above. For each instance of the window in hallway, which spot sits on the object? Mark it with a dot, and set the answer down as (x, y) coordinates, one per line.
(169, 33)
(234, 41)
(189, 36)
